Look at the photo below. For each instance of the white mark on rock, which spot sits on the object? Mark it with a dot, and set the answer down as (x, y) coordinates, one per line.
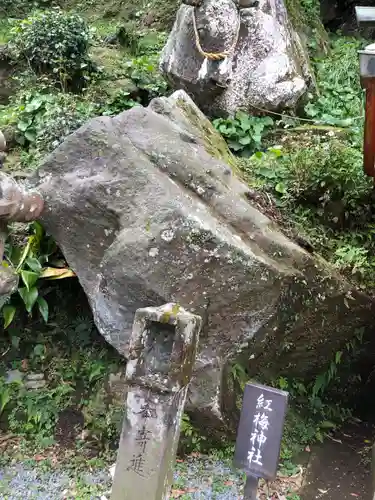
(203, 70)
(153, 252)
(167, 235)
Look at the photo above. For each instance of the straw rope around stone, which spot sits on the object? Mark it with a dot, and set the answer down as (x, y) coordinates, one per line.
(214, 56)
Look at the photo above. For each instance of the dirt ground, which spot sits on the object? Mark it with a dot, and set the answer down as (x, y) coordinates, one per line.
(340, 468)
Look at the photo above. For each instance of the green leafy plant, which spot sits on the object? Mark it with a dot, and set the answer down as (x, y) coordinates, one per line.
(33, 263)
(120, 102)
(191, 438)
(326, 176)
(144, 73)
(19, 8)
(353, 259)
(43, 120)
(243, 132)
(53, 42)
(340, 98)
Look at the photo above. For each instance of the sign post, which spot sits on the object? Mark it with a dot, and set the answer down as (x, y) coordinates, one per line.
(160, 362)
(366, 17)
(259, 435)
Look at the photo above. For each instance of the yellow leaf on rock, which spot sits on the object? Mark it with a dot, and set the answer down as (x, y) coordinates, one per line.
(55, 273)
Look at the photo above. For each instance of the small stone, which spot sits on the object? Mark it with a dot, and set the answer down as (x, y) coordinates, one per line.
(112, 470)
(14, 376)
(35, 384)
(35, 376)
(35, 381)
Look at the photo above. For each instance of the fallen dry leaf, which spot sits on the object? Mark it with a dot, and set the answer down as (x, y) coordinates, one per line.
(57, 273)
(177, 493)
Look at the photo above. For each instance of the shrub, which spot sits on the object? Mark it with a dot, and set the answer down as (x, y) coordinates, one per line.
(20, 8)
(52, 42)
(325, 176)
(340, 97)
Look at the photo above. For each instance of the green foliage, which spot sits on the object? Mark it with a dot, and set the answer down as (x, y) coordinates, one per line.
(20, 8)
(42, 120)
(52, 42)
(319, 413)
(140, 42)
(32, 262)
(146, 81)
(120, 102)
(76, 365)
(191, 439)
(340, 97)
(144, 73)
(321, 188)
(103, 419)
(326, 175)
(243, 132)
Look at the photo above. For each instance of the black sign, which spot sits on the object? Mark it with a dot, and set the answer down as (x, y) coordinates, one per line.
(260, 430)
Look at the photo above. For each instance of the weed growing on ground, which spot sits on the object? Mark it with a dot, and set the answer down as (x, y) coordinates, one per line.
(340, 99)
(243, 132)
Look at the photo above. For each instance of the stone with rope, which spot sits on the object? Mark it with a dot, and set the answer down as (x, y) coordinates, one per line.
(237, 54)
(214, 56)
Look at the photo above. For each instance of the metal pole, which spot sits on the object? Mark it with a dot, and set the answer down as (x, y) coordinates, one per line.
(251, 488)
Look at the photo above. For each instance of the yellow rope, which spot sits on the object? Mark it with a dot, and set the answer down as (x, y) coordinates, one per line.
(215, 56)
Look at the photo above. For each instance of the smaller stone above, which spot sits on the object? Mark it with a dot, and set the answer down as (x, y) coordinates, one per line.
(236, 54)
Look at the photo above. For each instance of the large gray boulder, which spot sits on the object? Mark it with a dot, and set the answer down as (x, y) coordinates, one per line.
(267, 68)
(147, 212)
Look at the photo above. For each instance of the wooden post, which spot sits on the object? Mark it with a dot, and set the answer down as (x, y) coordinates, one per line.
(369, 133)
(162, 354)
(366, 17)
(373, 471)
(251, 488)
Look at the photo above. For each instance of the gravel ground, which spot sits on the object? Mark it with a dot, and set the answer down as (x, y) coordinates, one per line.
(194, 479)
(22, 482)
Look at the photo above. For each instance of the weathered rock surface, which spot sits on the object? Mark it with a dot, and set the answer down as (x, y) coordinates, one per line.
(268, 67)
(146, 212)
